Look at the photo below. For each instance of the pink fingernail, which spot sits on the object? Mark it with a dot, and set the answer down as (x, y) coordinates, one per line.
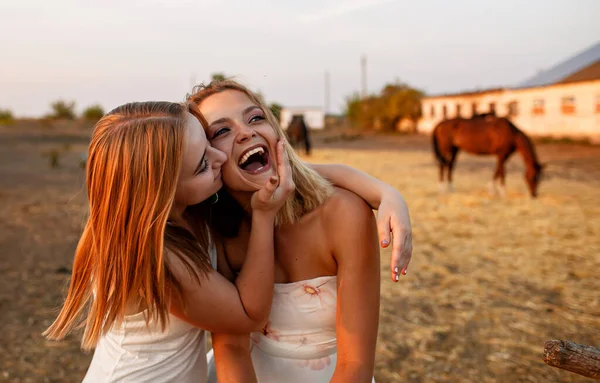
(385, 242)
(397, 277)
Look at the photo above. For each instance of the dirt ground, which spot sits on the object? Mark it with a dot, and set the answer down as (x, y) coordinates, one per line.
(491, 278)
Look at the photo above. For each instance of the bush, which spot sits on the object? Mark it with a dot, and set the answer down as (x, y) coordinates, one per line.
(63, 110)
(93, 113)
(6, 117)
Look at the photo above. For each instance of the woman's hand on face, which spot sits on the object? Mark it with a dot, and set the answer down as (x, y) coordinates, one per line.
(393, 216)
(271, 197)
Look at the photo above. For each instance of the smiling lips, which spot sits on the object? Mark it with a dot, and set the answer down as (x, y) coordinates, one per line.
(255, 160)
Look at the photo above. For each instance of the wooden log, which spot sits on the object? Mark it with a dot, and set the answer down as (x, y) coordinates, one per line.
(577, 358)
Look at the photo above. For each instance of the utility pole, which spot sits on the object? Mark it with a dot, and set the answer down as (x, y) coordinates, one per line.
(363, 66)
(326, 108)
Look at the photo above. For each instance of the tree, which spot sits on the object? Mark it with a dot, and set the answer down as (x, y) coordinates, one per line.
(6, 117)
(218, 76)
(276, 110)
(93, 112)
(63, 110)
(384, 111)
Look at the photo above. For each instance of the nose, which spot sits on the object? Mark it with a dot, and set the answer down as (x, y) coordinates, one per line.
(245, 133)
(218, 158)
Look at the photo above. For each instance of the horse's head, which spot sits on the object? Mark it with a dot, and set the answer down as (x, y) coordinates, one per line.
(533, 176)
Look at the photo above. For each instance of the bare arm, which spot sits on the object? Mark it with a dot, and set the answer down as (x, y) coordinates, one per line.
(354, 240)
(216, 304)
(392, 211)
(232, 352)
(232, 358)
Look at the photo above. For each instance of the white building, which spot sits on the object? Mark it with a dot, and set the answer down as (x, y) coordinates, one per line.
(562, 102)
(314, 117)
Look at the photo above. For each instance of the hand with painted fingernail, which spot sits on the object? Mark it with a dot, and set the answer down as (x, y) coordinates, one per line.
(393, 217)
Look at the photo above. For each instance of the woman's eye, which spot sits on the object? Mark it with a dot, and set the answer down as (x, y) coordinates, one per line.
(205, 167)
(256, 118)
(219, 132)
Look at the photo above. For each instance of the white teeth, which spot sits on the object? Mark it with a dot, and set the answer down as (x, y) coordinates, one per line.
(249, 153)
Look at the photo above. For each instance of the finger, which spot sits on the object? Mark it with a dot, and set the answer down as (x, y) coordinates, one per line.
(285, 169)
(266, 193)
(383, 228)
(401, 249)
(281, 159)
(398, 240)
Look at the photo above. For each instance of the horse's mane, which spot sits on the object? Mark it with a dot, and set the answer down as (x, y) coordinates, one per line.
(525, 144)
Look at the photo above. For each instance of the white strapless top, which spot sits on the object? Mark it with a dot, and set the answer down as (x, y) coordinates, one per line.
(135, 352)
(298, 344)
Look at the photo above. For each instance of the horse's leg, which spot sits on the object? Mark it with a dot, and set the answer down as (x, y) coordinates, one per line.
(501, 175)
(442, 183)
(493, 183)
(453, 155)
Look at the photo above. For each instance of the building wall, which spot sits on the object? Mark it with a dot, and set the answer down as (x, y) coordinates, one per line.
(313, 117)
(539, 111)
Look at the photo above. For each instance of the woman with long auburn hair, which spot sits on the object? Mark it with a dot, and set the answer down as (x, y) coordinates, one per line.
(143, 276)
(324, 317)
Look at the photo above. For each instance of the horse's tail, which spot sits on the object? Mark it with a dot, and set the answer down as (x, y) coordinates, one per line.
(436, 148)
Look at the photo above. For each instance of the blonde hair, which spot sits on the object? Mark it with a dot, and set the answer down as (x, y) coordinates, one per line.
(311, 189)
(134, 159)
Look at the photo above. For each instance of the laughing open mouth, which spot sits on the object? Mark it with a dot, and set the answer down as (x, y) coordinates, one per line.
(255, 159)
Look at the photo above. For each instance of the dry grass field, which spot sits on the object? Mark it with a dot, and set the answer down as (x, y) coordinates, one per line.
(491, 278)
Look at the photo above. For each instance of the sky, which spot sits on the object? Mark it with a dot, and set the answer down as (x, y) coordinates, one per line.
(116, 51)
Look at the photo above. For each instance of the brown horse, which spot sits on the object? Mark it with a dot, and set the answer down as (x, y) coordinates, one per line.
(481, 135)
(298, 131)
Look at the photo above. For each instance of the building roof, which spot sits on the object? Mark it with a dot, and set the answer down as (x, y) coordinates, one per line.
(575, 67)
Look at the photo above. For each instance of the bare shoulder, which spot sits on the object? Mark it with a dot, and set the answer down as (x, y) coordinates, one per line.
(345, 208)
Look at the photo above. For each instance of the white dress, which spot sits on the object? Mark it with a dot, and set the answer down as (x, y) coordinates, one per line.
(134, 352)
(298, 344)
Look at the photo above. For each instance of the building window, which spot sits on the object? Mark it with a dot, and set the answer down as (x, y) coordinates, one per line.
(513, 108)
(493, 108)
(473, 109)
(568, 105)
(458, 110)
(445, 111)
(538, 107)
(432, 111)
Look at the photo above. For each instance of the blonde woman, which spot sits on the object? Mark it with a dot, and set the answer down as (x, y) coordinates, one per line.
(324, 316)
(142, 276)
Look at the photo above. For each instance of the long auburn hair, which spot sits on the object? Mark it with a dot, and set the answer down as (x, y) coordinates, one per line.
(132, 170)
(311, 189)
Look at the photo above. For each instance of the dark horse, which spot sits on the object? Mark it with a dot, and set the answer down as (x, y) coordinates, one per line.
(297, 132)
(485, 134)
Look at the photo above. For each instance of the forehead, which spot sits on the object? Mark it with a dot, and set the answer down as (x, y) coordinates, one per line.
(195, 138)
(224, 104)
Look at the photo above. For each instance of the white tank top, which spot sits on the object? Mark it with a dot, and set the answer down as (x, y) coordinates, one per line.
(135, 352)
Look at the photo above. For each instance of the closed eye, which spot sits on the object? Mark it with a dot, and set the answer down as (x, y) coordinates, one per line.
(204, 167)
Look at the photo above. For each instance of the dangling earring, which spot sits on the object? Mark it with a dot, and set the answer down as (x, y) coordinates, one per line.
(214, 198)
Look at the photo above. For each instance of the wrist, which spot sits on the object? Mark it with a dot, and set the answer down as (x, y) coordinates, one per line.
(264, 217)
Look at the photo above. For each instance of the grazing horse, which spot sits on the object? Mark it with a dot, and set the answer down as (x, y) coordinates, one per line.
(297, 131)
(481, 135)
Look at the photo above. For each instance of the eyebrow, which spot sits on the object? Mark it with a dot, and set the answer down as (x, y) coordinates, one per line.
(199, 167)
(224, 119)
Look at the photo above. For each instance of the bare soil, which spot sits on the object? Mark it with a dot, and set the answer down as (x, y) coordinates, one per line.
(491, 279)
